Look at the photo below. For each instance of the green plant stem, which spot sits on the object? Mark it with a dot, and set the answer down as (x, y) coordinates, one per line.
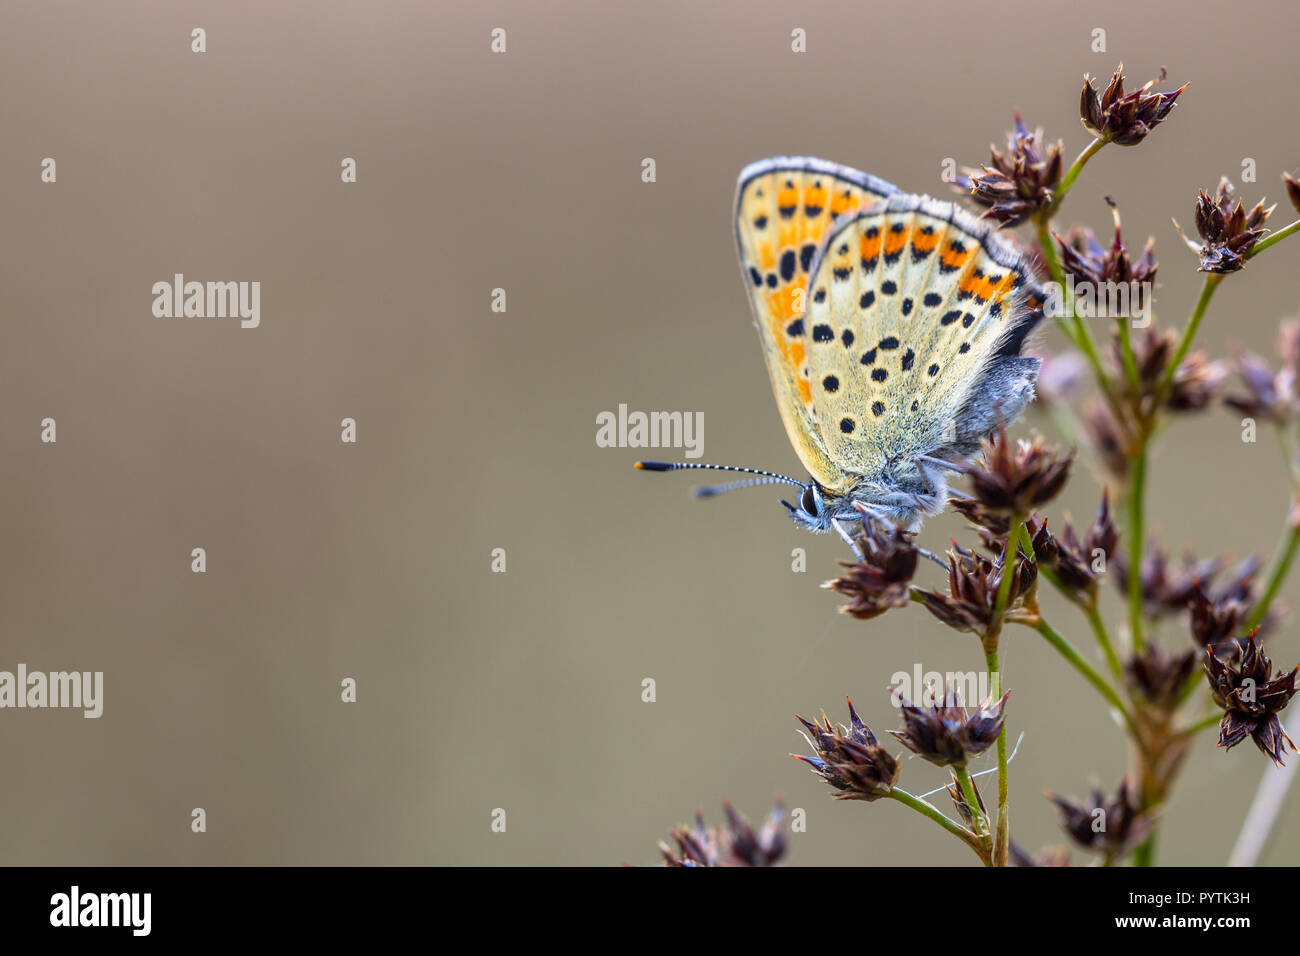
(1212, 280)
(1275, 237)
(1095, 621)
(1072, 174)
(1209, 720)
(1068, 651)
(1074, 327)
(1103, 638)
(1287, 547)
(1281, 565)
(1136, 521)
(1002, 832)
(972, 801)
(1126, 354)
(1145, 855)
(1010, 554)
(929, 810)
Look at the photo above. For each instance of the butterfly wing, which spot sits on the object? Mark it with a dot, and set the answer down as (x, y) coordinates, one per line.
(916, 315)
(784, 209)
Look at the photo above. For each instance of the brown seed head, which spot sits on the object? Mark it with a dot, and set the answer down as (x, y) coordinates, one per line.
(1125, 118)
(1242, 682)
(849, 758)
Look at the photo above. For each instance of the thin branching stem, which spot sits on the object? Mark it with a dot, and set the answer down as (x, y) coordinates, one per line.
(1209, 720)
(972, 801)
(1212, 280)
(1103, 638)
(927, 809)
(1136, 504)
(1072, 174)
(1275, 237)
(1277, 576)
(1077, 661)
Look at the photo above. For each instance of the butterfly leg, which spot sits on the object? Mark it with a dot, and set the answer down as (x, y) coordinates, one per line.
(848, 539)
(933, 557)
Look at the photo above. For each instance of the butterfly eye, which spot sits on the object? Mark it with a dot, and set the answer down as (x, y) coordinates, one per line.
(808, 502)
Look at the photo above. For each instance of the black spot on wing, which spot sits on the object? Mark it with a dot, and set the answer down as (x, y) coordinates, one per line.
(787, 265)
(806, 255)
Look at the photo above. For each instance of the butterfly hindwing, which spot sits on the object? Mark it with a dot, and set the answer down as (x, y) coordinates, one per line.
(915, 316)
(785, 208)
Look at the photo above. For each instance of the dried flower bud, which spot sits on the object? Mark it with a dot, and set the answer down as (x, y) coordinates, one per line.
(945, 733)
(1108, 438)
(1046, 548)
(1110, 826)
(1271, 396)
(1084, 257)
(1125, 118)
(1228, 233)
(973, 582)
(1047, 856)
(882, 580)
(1019, 182)
(1240, 682)
(738, 845)
(963, 808)
(1288, 344)
(1215, 622)
(1195, 385)
(1158, 677)
(1292, 189)
(1165, 590)
(1018, 481)
(850, 759)
(996, 524)
(1079, 563)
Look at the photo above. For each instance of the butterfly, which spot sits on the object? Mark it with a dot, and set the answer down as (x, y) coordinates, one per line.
(892, 326)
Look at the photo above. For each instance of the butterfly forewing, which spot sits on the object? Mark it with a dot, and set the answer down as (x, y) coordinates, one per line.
(785, 208)
(911, 302)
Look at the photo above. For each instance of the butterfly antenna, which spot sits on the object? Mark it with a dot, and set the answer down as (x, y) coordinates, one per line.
(709, 491)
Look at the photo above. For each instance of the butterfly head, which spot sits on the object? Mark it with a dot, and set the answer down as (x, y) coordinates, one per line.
(814, 511)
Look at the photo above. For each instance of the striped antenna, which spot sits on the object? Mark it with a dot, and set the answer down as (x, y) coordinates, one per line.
(709, 491)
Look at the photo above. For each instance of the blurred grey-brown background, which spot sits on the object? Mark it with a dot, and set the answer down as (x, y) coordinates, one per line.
(476, 430)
